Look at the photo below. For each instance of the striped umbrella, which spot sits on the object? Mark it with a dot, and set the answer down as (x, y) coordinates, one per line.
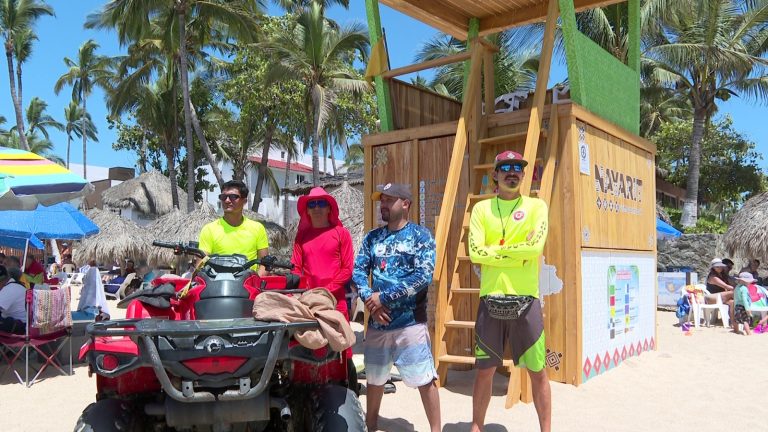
(27, 179)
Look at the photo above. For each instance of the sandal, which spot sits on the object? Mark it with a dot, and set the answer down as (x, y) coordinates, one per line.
(389, 387)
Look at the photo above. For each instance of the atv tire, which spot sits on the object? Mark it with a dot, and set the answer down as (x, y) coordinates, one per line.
(337, 409)
(104, 416)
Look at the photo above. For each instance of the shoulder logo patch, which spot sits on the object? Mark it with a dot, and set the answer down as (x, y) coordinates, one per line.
(518, 215)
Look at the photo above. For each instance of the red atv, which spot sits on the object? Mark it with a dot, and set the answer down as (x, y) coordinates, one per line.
(190, 357)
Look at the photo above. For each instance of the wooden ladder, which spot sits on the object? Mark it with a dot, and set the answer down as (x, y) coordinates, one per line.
(458, 292)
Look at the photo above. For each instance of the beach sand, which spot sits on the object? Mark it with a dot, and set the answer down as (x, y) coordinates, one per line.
(713, 380)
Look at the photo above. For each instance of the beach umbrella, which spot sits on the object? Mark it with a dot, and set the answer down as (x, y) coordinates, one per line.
(27, 179)
(20, 241)
(747, 234)
(666, 231)
(149, 193)
(59, 221)
(118, 239)
(179, 226)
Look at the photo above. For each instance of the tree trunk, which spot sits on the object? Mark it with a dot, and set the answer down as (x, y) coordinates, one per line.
(143, 156)
(316, 150)
(181, 11)
(325, 156)
(18, 83)
(172, 174)
(263, 166)
(286, 183)
(15, 99)
(204, 144)
(333, 163)
(69, 145)
(690, 203)
(85, 138)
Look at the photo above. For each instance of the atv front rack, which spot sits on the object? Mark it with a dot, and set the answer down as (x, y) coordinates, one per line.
(165, 345)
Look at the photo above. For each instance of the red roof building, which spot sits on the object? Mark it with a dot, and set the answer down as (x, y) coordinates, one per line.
(278, 164)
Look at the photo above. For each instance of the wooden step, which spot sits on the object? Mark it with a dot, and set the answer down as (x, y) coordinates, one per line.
(463, 259)
(501, 139)
(460, 324)
(469, 360)
(465, 290)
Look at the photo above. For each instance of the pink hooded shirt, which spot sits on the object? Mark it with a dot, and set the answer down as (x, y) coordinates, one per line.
(324, 255)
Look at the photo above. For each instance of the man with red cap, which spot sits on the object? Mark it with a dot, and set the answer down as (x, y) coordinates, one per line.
(323, 251)
(506, 238)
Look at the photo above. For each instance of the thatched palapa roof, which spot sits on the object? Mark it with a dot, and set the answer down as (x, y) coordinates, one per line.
(178, 226)
(149, 193)
(328, 183)
(748, 233)
(351, 211)
(118, 239)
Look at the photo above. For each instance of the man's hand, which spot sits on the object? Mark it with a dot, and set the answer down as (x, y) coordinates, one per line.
(381, 315)
(373, 302)
(378, 311)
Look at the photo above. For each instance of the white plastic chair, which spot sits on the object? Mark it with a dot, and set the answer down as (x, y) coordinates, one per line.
(702, 310)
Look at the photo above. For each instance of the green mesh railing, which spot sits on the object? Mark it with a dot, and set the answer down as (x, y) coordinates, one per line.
(599, 81)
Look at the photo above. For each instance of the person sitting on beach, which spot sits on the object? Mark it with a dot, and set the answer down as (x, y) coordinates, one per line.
(751, 268)
(67, 265)
(728, 270)
(747, 296)
(13, 264)
(13, 312)
(717, 283)
(34, 272)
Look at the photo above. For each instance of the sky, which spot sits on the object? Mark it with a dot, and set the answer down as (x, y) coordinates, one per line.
(62, 35)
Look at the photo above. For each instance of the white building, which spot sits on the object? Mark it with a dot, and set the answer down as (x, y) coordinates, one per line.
(301, 171)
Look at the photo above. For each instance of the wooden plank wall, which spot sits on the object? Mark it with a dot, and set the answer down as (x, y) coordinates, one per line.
(420, 161)
(422, 155)
(414, 106)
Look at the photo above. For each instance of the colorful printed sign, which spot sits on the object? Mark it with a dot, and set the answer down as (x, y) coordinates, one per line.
(623, 287)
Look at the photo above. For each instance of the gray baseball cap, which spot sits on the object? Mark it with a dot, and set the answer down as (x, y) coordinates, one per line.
(397, 190)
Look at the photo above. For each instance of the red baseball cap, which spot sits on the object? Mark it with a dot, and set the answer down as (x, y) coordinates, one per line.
(510, 156)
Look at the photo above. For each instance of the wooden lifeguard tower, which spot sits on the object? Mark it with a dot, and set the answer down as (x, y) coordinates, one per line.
(595, 173)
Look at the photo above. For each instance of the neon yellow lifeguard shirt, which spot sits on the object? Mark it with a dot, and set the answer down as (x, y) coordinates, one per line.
(221, 238)
(511, 266)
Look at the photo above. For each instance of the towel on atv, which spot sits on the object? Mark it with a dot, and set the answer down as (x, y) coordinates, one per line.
(157, 296)
(317, 304)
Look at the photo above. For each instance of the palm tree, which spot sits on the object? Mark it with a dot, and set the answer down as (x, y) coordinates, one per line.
(16, 19)
(37, 145)
(88, 71)
(73, 115)
(22, 49)
(38, 120)
(319, 55)
(354, 158)
(515, 66)
(708, 51)
(205, 18)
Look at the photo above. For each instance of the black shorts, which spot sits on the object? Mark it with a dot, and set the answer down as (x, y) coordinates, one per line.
(741, 315)
(525, 336)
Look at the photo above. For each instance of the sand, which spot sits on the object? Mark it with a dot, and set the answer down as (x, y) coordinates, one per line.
(713, 380)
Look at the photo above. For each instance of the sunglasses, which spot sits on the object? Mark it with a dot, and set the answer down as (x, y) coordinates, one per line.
(507, 167)
(317, 203)
(231, 197)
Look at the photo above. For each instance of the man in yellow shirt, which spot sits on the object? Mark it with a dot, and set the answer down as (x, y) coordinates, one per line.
(506, 237)
(234, 233)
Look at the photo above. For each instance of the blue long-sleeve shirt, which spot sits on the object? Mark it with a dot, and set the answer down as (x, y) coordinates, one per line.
(401, 264)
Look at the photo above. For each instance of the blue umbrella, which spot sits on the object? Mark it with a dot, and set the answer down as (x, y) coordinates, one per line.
(665, 230)
(60, 221)
(20, 240)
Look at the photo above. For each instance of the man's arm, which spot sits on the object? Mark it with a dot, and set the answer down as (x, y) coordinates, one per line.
(479, 252)
(419, 279)
(363, 269)
(533, 246)
(261, 254)
(347, 257)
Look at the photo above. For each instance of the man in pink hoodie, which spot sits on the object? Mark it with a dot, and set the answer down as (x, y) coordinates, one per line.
(323, 251)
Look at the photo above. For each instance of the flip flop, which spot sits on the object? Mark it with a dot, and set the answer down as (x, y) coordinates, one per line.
(389, 387)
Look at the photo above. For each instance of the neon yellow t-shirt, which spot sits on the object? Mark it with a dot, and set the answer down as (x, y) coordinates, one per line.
(221, 238)
(510, 267)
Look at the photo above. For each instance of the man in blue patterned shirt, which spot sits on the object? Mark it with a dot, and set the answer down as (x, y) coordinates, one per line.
(400, 258)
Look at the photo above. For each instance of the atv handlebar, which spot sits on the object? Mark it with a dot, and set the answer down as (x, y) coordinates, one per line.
(181, 248)
(269, 261)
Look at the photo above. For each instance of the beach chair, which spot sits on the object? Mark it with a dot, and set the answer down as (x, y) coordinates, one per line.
(703, 310)
(117, 291)
(49, 323)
